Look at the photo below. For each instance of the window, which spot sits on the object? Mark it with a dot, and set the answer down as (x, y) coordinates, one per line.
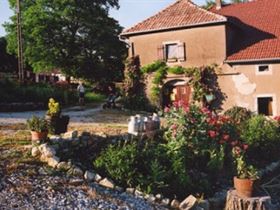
(263, 69)
(265, 105)
(172, 52)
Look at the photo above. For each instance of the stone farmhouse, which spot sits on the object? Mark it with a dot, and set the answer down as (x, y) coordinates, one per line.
(243, 39)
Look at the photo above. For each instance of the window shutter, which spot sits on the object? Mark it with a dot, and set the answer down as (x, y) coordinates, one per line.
(132, 50)
(181, 51)
(161, 53)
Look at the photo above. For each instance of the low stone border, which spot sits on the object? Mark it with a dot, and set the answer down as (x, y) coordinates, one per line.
(48, 153)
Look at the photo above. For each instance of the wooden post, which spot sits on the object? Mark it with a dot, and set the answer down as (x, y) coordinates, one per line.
(234, 202)
(20, 48)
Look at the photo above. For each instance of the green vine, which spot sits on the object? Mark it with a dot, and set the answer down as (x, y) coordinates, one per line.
(199, 79)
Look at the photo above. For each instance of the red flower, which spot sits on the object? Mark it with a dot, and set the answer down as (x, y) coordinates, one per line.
(212, 133)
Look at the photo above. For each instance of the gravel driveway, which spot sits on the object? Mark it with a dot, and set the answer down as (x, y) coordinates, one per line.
(77, 114)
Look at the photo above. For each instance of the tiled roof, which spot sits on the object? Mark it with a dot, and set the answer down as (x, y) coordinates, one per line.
(182, 13)
(259, 34)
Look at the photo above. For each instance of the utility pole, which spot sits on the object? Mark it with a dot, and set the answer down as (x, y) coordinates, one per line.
(20, 48)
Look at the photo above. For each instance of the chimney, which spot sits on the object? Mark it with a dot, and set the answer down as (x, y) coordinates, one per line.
(218, 4)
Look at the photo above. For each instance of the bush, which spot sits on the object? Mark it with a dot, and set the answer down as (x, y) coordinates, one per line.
(188, 157)
(239, 114)
(38, 93)
(91, 97)
(262, 136)
(119, 161)
(153, 67)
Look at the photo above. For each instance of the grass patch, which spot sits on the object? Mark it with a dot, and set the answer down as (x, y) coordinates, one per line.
(91, 97)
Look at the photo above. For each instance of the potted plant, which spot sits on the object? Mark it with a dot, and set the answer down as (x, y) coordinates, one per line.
(38, 127)
(246, 175)
(58, 123)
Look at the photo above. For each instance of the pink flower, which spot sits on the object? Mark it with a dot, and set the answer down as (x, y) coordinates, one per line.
(237, 150)
(221, 141)
(226, 137)
(212, 133)
(234, 143)
(166, 109)
(174, 127)
(175, 104)
(245, 146)
(205, 110)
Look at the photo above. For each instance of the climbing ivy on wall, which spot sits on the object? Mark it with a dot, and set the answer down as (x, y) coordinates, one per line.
(200, 80)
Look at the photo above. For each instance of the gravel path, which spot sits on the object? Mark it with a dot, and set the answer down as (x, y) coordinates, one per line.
(25, 183)
(77, 115)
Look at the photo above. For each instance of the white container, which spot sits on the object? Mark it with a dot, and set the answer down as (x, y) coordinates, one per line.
(133, 125)
(156, 119)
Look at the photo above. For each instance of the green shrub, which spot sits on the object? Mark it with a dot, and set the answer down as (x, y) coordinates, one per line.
(39, 93)
(91, 97)
(188, 157)
(153, 67)
(119, 161)
(262, 136)
(176, 70)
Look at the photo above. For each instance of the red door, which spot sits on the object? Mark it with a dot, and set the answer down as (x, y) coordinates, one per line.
(183, 93)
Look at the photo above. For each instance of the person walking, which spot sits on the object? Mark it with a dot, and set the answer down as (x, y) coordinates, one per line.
(81, 92)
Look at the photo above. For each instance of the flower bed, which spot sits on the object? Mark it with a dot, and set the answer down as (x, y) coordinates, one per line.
(191, 155)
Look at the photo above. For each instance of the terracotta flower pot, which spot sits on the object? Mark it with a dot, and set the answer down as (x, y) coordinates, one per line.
(244, 187)
(39, 136)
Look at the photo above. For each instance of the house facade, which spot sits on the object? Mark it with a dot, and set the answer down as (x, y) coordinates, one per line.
(242, 39)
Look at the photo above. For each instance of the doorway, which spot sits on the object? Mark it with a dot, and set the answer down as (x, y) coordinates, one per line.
(174, 91)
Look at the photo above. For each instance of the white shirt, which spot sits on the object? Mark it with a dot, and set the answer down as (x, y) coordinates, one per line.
(81, 89)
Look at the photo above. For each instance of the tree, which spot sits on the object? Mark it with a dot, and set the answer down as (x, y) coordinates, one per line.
(210, 3)
(8, 62)
(75, 36)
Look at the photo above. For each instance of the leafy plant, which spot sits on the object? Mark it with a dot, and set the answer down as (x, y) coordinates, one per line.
(153, 67)
(262, 136)
(119, 162)
(176, 70)
(243, 170)
(260, 131)
(37, 124)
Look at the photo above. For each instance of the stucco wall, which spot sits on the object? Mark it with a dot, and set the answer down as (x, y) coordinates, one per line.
(204, 45)
(242, 85)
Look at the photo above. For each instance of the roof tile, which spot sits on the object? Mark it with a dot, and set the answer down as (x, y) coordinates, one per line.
(259, 21)
(182, 13)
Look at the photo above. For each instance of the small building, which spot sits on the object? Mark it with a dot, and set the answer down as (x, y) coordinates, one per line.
(243, 39)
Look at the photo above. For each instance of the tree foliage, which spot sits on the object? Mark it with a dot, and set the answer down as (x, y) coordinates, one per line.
(8, 62)
(210, 3)
(77, 37)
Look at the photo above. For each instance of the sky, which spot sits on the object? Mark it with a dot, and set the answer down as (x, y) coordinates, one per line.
(130, 12)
